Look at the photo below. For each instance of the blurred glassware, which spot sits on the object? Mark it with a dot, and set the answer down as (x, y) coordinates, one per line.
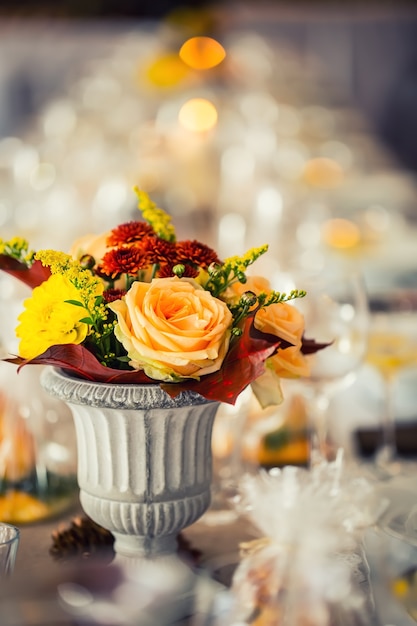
(276, 436)
(9, 543)
(37, 451)
(392, 553)
(336, 312)
(392, 349)
(227, 464)
(37, 439)
(307, 565)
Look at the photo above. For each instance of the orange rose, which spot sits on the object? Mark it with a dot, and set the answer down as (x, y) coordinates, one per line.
(281, 319)
(285, 321)
(172, 328)
(257, 284)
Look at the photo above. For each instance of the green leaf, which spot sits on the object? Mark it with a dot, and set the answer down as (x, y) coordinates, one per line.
(86, 320)
(75, 303)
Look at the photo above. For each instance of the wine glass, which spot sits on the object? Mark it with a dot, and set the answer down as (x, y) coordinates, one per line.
(392, 348)
(336, 313)
(227, 468)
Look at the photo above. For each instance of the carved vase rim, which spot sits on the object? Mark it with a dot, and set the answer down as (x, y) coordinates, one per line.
(74, 390)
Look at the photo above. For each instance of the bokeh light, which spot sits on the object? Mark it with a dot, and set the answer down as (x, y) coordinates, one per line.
(168, 70)
(198, 115)
(323, 172)
(202, 53)
(341, 233)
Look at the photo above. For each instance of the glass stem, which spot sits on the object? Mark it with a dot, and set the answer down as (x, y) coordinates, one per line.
(320, 407)
(387, 451)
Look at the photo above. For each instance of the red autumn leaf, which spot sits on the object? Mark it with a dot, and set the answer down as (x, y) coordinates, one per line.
(81, 362)
(309, 346)
(31, 276)
(243, 363)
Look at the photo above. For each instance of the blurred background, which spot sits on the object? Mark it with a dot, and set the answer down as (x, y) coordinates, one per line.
(367, 49)
(288, 123)
(292, 124)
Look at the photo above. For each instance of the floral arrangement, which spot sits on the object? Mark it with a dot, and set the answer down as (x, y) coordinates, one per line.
(135, 305)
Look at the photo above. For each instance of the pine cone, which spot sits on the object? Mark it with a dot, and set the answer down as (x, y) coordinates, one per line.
(83, 539)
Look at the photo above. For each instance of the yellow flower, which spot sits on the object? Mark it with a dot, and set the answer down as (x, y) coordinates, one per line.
(173, 329)
(49, 320)
(87, 286)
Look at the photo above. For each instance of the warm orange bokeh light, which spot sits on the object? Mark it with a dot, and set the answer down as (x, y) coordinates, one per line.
(202, 53)
(323, 172)
(341, 233)
(198, 115)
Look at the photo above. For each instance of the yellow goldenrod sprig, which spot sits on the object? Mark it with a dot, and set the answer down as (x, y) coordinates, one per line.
(154, 216)
(17, 248)
(239, 264)
(232, 270)
(249, 302)
(274, 297)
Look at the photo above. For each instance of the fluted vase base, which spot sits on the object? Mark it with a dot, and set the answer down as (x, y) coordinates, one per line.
(144, 459)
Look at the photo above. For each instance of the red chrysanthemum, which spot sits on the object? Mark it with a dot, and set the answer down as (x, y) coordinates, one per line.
(158, 250)
(125, 260)
(129, 233)
(195, 252)
(110, 295)
(165, 271)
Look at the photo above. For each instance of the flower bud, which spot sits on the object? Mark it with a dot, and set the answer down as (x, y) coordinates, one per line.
(87, 262)
(214, 270)
(178, 270)
(248, 299)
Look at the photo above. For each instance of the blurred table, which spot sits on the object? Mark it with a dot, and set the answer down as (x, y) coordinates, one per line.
(214, 543)
(33, 600)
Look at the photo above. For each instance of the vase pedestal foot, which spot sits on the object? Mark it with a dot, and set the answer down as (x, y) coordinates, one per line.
(168, 579)
(138, 547)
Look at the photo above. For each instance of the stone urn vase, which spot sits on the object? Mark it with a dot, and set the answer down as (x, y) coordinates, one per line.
(144, 459)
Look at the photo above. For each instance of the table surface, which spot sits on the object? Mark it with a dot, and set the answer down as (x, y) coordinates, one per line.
(29, 598)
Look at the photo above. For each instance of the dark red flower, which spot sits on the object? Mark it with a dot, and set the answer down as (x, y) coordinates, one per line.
(125, 260)
(158, 250)
(195, 252)
(129, 233)
(110, 295)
